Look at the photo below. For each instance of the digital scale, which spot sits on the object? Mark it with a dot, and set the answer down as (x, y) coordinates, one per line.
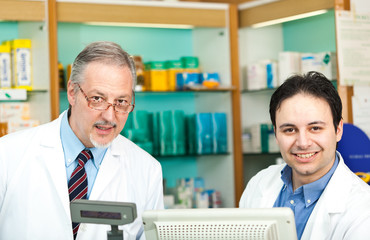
(104, 212)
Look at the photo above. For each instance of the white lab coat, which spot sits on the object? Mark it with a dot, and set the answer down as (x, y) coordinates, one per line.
(34, 202)
(342, 212)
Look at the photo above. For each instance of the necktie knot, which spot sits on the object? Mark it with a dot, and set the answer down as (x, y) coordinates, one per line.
(84, 156)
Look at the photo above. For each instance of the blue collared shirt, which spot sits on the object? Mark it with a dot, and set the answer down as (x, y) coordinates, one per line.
(72, 146)
(303, 200)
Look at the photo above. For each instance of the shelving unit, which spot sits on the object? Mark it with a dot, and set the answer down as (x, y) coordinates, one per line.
(29, 18)
(295, 35)
(211, 38)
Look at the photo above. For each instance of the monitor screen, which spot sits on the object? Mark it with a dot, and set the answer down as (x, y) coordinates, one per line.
(220, 224)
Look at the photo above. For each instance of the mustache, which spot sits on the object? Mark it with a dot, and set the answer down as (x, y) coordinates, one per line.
(112, 124)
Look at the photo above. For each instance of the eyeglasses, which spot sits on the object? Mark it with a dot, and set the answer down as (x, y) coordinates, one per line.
(100, 104)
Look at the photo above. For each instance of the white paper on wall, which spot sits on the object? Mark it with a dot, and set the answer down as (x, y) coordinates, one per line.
(353, 47)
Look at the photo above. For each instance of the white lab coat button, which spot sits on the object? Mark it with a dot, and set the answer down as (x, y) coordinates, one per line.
(292, 202)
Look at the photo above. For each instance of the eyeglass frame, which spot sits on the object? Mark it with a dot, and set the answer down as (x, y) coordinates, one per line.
(109, 104)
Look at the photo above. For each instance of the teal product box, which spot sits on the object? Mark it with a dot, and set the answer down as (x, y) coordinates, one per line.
(178, 132)
(261, 135)
(190, 130)
(127, 127)
(219, 122)
(204, 133)
(271, 75)
(165, 136)
(154, 123)
(140, 121)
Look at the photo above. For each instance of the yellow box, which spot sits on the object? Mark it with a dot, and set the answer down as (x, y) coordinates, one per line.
(158, 80)
(158, 76)
(22, 63)
(171, 75)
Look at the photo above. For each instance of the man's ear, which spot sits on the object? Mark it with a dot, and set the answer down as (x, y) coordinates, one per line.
(71, 93)
(339, 130)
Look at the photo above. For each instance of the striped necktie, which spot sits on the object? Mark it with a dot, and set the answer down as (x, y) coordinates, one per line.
(77, 185)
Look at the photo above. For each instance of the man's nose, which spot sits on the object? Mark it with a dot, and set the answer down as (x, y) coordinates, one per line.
(303, 140)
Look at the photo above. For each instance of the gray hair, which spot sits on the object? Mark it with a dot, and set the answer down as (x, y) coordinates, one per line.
(104, 52)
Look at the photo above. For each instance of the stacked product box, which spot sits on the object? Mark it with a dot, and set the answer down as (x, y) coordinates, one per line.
(21, 62)
(219, 123)
(191, 193)
(172, 132)
(137, 130)
(157, 75)
(289, 64)
(5, 66)
(263, 138)
(210, 135)
(16, 64)
(204, 133)
(323, 62)
(262, 74)
(173, 67)
(17, 116)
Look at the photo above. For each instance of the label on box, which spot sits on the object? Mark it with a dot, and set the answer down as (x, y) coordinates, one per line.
(23, 65)
(5, 71)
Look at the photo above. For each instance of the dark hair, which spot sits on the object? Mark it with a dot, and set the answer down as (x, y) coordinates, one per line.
(312, 83)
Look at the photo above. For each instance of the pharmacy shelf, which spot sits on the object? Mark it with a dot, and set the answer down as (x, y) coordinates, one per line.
(13, 94)
(161, 157)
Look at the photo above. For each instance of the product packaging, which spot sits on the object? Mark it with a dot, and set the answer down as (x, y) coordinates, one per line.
(22, 63)
(5, 66)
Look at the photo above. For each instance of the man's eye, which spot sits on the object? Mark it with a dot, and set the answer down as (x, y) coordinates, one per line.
(288, 130)
(97, 99)
(121, 102)
(316, 128)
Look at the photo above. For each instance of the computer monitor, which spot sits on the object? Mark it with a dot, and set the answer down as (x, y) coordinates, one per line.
(220, 224)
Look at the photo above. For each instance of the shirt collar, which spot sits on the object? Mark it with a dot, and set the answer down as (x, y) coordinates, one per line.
(311, 191)
(72, 146)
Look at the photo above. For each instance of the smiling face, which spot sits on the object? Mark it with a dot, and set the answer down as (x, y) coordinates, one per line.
(99, 128)
(306, 137)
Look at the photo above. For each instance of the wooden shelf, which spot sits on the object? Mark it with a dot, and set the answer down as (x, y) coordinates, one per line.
(194, 14)
(281, 9)
(22, 10)
(13, 94)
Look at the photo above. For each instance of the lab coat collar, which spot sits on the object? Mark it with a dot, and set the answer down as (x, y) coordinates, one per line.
(332, 201)
(52, 147)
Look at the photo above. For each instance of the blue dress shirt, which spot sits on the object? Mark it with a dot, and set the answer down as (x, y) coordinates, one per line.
(303, 200)
(72, 146)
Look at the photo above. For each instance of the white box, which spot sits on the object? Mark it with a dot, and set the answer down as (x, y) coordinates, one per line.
(289, 64)
(256, 76)
(271, 67)
(5, 70)
(14, 111)
(17, 125)
(323, 62)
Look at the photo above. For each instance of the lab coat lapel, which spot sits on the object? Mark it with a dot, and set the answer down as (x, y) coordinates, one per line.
(273, 189)
(319, 224)
(53, 157)
(107, 171)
